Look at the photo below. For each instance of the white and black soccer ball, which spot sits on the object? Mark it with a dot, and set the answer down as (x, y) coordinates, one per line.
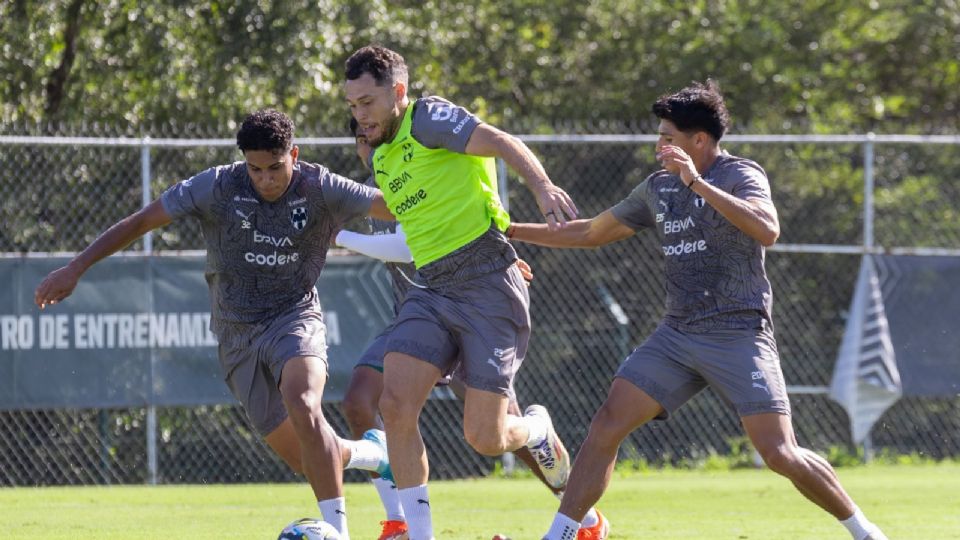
(309, 529)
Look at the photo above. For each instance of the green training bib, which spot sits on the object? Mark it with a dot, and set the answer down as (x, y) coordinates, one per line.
(442, 198)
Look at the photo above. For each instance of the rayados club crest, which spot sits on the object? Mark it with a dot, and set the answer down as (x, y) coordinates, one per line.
(298, 216)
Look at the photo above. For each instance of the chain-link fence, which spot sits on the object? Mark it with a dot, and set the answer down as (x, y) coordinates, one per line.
(838, 197)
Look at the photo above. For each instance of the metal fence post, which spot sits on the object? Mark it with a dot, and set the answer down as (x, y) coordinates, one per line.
(868, 185)
(502, 184)
(868, 239)
(507, 460)
(145, 189)
(147, 250)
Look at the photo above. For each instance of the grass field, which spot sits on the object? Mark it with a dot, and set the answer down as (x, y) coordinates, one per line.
(912, 502)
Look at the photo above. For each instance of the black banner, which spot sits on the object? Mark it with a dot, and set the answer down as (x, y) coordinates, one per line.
(921, 296)
(135, 332)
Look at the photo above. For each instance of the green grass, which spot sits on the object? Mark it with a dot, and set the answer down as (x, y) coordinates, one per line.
(912, 502)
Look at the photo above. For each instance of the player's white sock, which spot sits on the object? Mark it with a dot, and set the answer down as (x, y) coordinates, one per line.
(389, 498)
(335, 513)
(364, 454)
(590, 519)
(563, 528)
(416, 509)
(858, 525)
(537, 428)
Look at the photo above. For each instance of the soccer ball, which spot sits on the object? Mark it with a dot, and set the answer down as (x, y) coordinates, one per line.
(309, 529)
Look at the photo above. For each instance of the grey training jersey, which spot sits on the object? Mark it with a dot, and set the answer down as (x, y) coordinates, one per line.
(400, 273)
(714, 271)
(264, 258)
(437, 123)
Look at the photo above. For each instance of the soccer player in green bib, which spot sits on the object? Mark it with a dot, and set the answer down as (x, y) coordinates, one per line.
(469, 308)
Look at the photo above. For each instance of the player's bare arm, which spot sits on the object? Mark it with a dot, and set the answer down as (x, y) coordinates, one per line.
(756, 217)
(582, 233)
(379, 210)
(555, 205)
(60, 283)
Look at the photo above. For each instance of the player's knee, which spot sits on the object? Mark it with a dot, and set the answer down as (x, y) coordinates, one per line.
(780, 458)
(395, 409)
(485, 441)
(359, 411)
(304, 406)
(606, 427)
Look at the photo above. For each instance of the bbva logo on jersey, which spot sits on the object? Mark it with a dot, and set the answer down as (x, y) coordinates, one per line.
(298, 217)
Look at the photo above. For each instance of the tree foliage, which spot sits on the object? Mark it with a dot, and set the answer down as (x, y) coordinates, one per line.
(794, 66)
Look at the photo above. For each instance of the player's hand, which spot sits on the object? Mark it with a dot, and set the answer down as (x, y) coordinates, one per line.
(56, 286)
(676, 161)
(556, 206)
(525, 270)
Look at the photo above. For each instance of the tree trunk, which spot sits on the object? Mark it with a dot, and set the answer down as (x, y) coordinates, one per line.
(56, 85)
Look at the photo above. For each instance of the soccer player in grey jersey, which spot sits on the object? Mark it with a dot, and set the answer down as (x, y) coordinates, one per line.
(714, 216)
(266, 222)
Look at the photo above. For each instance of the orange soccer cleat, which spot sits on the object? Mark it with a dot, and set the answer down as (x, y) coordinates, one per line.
(598, 532)
(393, 529)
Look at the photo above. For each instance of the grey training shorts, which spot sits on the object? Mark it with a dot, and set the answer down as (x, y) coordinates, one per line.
(373, 358)
(477, 330)
(376, 350)
(741, 365)
(252, 358)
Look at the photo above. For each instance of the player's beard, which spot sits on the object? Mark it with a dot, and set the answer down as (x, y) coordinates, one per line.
(387, 131)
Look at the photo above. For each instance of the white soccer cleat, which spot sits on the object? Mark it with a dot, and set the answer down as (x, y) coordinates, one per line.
(551, 455)
(877, 534)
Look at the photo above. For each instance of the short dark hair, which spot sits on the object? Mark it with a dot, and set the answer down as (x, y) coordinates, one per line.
(698, 107)
(385, 66)
(266, 129)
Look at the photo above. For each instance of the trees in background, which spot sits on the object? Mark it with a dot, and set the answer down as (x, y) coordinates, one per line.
(796, 66)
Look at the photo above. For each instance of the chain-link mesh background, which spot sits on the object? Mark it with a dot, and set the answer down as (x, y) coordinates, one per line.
(60, 197)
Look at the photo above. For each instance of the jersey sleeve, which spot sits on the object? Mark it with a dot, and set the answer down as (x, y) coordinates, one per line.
(751, 183)
(346, 199)
(191, 197)
(633, 211)
(437, 123)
